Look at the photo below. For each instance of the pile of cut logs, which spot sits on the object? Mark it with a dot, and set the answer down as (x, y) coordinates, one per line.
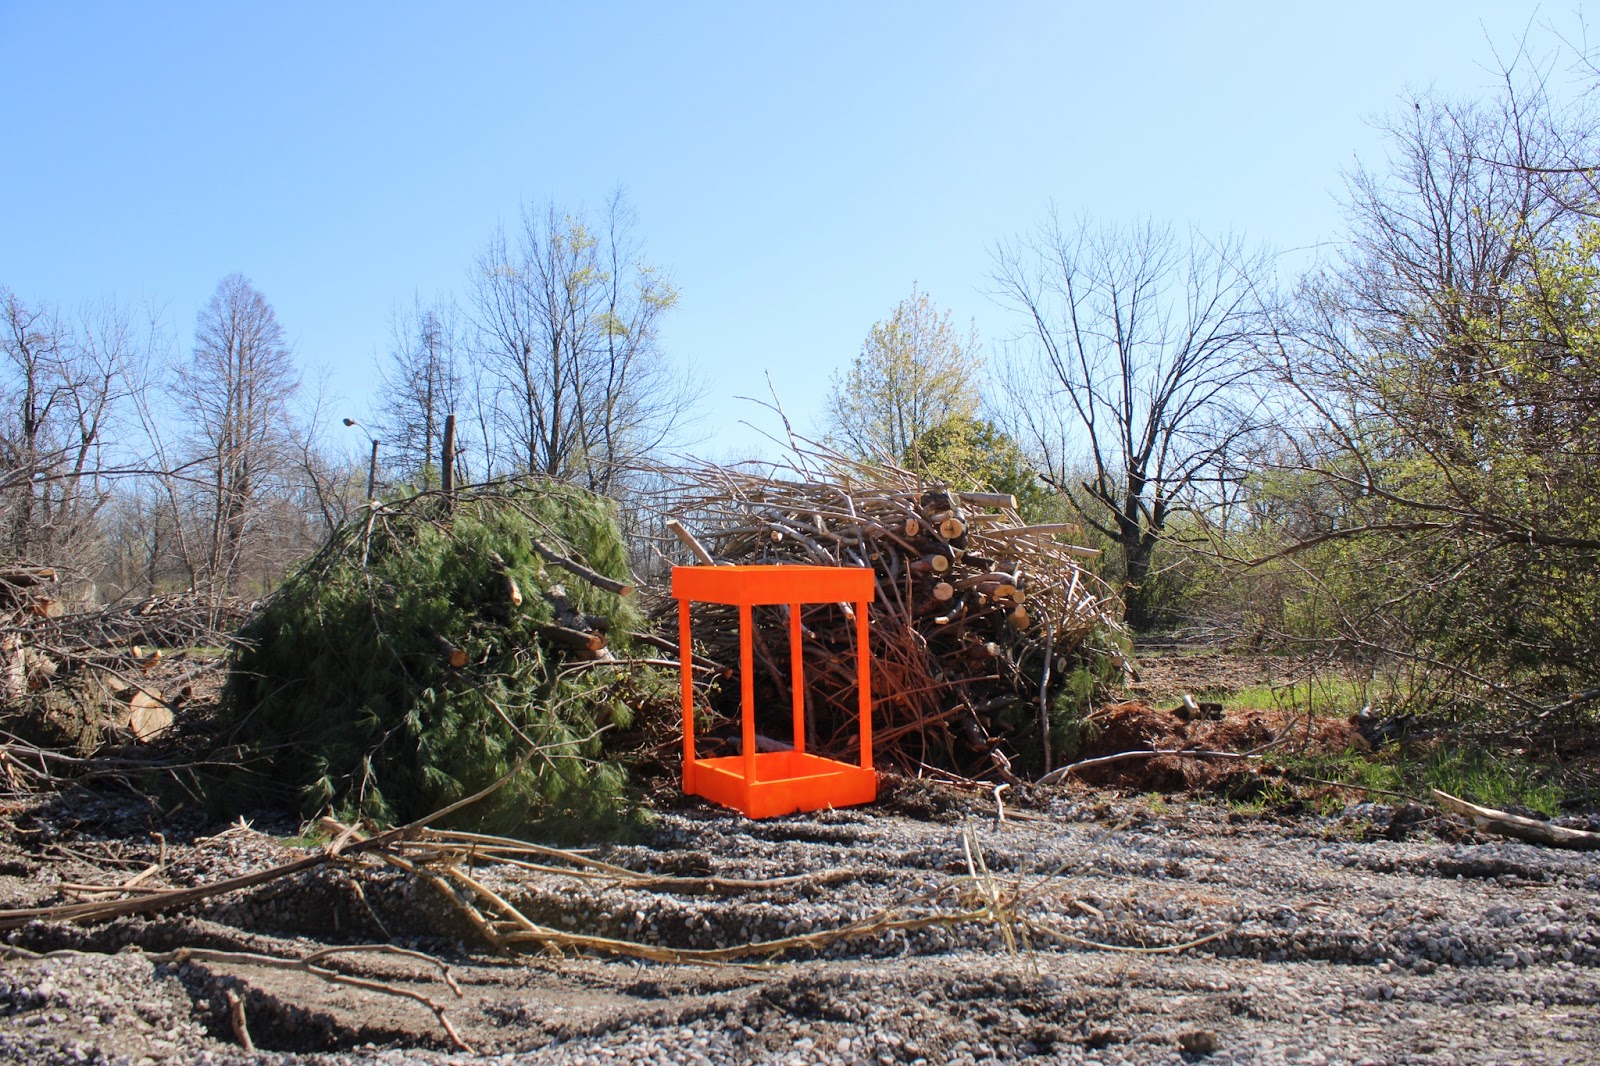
(27, 594)
(80, 680)
(977, 615)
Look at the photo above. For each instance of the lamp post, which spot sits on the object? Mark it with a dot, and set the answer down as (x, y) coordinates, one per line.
(372, 470)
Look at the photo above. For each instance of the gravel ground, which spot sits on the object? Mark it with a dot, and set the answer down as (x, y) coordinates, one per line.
(1375, 935)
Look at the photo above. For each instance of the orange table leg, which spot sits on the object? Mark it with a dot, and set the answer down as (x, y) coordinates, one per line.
(797, 678)
(864, 680)
(686, 669)
(747, 692)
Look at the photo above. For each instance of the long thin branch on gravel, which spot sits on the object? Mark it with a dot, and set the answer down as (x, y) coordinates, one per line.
(1055, 777)
(307, 964)
(443, 859)
(145, 903)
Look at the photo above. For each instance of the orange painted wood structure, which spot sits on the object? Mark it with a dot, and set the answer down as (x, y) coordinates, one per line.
(767, 784)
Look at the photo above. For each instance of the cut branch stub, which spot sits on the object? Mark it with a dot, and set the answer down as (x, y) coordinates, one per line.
(456, 657)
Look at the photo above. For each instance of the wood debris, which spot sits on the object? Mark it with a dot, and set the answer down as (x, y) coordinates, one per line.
(969, 598)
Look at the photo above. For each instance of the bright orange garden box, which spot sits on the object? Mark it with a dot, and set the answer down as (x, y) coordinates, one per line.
(770, 783)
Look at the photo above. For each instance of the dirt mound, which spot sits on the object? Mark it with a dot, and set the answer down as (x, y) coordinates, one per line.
(1136, 726)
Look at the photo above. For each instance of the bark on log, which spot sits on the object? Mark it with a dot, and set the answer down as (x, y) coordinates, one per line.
(691, 542)
(1514, 825)
(988, 499)
(992, 578)
(576, 639)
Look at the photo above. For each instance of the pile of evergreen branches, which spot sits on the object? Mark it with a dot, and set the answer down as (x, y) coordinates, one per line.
(419, 656)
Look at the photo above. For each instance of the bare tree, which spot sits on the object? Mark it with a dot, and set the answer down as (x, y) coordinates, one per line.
(1135, 341)
(1440, 402)
(420, 383)
(63, 384)
(567, 319)
(236, 393)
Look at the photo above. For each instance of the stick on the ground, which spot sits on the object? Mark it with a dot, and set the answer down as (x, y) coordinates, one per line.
(1055, 777)
(241, 1031)
(1514, 825)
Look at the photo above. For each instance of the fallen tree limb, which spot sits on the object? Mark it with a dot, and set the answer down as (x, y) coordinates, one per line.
(309, 965)
(593, 577)
(1514, 825)
(1055, 777)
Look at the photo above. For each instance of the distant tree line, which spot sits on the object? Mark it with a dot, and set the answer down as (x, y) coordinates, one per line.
(141, 466)
(1391, 457)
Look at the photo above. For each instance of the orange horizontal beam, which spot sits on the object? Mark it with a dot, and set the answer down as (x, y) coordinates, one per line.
(762, 585)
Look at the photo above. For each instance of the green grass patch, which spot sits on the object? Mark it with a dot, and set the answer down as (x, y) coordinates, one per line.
(1492, 780)
(1330, 696)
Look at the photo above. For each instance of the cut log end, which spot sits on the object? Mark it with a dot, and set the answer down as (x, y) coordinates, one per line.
(454, 656)
(148, 714)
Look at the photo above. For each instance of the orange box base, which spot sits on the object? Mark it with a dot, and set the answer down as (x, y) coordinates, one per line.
(786, 782)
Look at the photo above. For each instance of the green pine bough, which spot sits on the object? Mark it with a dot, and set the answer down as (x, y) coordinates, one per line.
(423, 654)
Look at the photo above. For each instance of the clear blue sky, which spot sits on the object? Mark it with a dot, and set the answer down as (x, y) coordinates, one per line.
(794, 167)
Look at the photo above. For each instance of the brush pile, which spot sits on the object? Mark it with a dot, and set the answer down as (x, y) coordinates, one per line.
(435, 644)
(83, 681)
(987, 633)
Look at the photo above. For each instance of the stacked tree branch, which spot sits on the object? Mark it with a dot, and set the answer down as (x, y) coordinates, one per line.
(76, 681)
(978, 616)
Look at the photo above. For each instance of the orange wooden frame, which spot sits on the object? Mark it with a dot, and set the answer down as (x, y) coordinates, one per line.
(767, 784)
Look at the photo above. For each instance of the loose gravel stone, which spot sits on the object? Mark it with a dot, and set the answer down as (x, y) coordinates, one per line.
(1321, 940)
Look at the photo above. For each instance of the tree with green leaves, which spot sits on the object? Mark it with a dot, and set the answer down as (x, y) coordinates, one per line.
(567, 318)
(914, 372)
(1440, 394)
(973, 453)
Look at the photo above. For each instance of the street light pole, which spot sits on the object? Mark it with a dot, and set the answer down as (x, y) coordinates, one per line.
(372, 468)
(372, 472)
